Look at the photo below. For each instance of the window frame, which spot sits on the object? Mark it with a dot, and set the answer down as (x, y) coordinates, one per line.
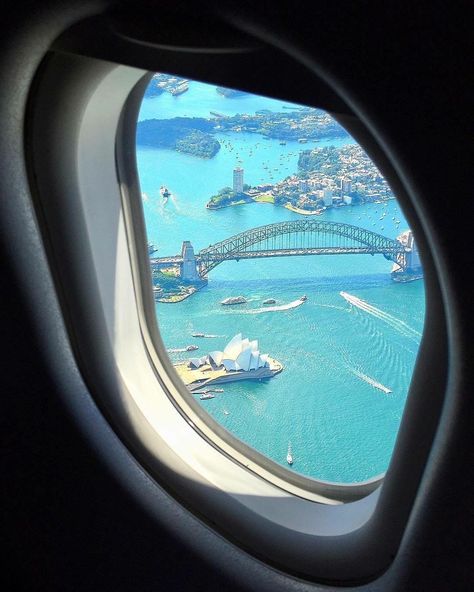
(327, 543)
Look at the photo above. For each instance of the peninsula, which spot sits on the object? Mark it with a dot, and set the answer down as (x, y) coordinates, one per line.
(194, 135)
(326, 177)
(240, 360)
(189, 135)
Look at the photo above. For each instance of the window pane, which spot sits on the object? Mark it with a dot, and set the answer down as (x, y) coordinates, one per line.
(323, 299)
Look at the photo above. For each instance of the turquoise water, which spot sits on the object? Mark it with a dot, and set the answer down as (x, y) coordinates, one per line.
(341, 428)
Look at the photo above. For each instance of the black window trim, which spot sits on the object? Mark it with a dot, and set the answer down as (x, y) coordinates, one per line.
(406, 465)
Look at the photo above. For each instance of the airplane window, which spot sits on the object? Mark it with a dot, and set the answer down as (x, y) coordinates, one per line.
(288, 286)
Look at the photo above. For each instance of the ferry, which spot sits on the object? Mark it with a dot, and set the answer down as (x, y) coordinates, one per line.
(165, 194)
(233, 300)
(208, 335)
(180, 89)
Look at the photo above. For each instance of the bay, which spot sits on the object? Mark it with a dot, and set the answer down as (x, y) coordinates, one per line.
(341, 427)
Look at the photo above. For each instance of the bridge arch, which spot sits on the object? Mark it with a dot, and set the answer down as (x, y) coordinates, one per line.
(299, 237)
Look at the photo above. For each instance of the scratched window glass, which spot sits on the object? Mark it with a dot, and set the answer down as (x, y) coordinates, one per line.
(288, 286)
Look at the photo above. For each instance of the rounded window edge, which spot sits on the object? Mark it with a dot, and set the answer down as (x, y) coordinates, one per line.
(334, 518)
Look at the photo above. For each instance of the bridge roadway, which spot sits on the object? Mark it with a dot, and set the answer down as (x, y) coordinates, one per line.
(288, 239)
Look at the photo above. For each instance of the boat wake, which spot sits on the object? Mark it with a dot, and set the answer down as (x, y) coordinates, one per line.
(395, 323)
(370, 381)
(279, 308)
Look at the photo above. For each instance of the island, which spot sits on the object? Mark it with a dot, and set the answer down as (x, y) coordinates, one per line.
(240, 360)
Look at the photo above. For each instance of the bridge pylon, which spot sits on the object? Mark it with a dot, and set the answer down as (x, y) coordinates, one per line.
(407, 265)
(188, 270)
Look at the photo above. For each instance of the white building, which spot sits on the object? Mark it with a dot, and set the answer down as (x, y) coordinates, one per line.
(346, 186)
(327, 197)
(238, 354)
(302, 185)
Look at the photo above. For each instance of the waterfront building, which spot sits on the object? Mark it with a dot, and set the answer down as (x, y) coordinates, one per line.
(238, 184)
(346, 186)
(240, 360)
(327, 197)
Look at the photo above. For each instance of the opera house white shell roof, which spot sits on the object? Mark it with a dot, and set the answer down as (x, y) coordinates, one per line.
(238, 354)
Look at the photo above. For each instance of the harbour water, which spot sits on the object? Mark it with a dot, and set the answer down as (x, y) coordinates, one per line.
(342, 426)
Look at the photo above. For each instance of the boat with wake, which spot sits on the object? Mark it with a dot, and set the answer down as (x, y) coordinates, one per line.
(204, 335)
(233, 300)
(165, 194)
(289, 455)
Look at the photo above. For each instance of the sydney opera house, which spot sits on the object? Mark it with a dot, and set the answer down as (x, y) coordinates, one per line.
(240, 360)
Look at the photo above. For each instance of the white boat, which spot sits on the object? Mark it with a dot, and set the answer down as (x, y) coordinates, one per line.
(289, 455)
(204, 396)
(233, 300)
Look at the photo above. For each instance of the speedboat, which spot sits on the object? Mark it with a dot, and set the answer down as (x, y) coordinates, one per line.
(289, 455)
(304, 298)
(269, 301)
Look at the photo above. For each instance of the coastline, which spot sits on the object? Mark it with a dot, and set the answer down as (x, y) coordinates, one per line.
(303, 212)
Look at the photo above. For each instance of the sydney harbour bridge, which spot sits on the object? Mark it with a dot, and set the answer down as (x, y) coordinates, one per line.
(289, 239)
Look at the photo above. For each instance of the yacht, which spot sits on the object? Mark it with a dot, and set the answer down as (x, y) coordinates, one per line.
(289, 455)
(204, 396)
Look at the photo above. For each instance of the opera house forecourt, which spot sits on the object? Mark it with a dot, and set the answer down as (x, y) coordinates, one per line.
(240, 360)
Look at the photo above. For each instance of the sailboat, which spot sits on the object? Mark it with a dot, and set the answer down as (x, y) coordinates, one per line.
(289, 455)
